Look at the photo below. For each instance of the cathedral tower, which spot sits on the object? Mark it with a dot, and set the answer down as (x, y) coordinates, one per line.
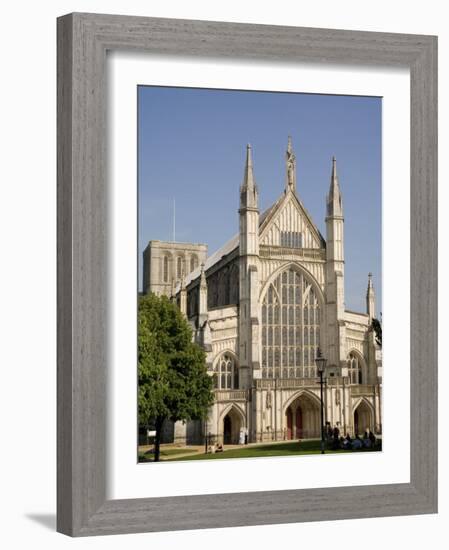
(249, 348)
(335, 272)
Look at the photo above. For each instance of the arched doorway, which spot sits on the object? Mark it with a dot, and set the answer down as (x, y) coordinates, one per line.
(232, 424)
(289, 416)
(299, 430)
(363, 419)
(227, 429)
(302, 418)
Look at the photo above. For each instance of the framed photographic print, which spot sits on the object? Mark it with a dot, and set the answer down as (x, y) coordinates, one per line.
(286, 360)
(243, 210)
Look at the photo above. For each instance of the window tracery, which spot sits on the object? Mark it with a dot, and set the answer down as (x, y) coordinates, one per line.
(291, 239)
(354, 368)
(290, 327)
(226, 373)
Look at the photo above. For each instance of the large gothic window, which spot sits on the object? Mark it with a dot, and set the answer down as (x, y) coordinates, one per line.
(354, 368)
(291, 318)
(226, 373)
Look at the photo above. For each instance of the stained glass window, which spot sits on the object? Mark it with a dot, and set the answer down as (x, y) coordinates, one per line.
(290, 312)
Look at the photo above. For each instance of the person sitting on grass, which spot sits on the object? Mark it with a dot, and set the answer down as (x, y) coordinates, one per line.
(335, 438)
(344, 444)
(357, 443)
(372, 438)
(366, 440)
(347, 442)
(219, 448)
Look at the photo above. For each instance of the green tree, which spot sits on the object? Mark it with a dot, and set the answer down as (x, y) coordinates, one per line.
(377, 327)
(173, 379)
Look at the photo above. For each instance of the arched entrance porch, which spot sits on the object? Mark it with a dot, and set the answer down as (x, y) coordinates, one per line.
(363, 418)
(232, 424)
(302, 418)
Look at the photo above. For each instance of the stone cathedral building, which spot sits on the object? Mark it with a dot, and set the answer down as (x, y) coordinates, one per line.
(261, 306)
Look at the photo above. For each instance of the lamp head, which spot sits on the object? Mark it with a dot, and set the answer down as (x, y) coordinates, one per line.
(320, 361)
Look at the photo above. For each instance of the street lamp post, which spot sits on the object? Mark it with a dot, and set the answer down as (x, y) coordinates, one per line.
(321, 366)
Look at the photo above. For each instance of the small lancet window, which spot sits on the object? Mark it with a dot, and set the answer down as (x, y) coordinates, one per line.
(165, 274)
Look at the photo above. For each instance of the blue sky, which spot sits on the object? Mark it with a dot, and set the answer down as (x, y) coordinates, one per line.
(192, 149)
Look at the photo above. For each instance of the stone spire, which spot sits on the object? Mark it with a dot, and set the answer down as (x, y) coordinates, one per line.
(370, 298)
(202, 298)
(334, 201)
(249, 195)
(248, 275)
(335, 267)
(290, 160)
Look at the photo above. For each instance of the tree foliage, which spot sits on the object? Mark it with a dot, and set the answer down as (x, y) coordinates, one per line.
(173, 380)
(377, 327)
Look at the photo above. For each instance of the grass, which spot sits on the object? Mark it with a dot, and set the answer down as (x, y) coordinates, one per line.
(166, 454)
(277, 449)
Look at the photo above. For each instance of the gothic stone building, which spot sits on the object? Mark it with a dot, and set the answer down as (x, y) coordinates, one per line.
(261, 306)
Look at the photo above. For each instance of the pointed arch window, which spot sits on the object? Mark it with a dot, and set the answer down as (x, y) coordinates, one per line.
(354, 368)
(193, 263)
(179, 267)
(165, 269)
(290, 311)
(226, 373)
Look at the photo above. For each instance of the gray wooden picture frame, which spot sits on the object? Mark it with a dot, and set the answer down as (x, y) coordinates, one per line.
(83, 40)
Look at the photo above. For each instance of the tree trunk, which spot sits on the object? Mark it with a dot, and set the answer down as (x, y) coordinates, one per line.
(157, 440)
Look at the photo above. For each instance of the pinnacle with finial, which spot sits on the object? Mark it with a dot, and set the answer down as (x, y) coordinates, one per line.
(248, 177)
(203, 276)
(334, 169)
(334, 202)
(248, 189)
(290, 166)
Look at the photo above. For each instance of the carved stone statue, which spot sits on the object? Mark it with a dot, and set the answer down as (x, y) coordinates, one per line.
(268, 403)
(290, 158)
(291, 169)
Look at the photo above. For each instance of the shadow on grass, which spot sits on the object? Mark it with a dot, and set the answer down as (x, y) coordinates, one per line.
(165, 454)
(277, 449)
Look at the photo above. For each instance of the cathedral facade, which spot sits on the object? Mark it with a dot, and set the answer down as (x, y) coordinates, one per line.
(262, 307)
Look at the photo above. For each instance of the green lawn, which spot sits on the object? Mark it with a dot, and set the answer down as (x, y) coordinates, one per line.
(165, 453)
(276, 449)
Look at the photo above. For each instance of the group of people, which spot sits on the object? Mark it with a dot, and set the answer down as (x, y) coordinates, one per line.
(336, 441)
